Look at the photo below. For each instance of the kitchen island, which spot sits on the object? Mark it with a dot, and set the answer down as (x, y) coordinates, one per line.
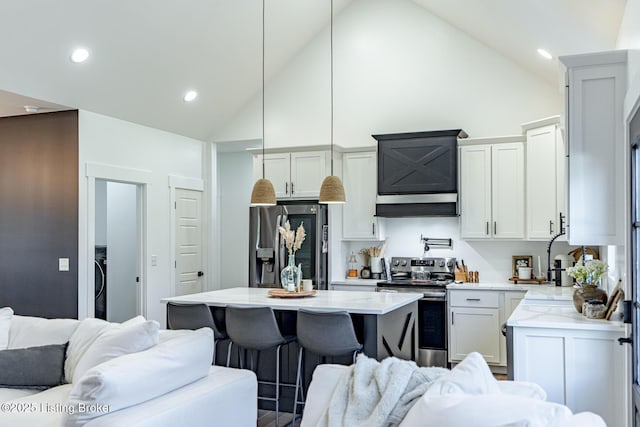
(385, 322)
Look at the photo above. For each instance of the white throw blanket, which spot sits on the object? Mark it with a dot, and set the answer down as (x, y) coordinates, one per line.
(377, 394)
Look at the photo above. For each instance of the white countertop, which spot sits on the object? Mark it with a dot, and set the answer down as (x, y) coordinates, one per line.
(550, 293)
(558, 317)
(356, 282)
(497, 286)
(356, 302)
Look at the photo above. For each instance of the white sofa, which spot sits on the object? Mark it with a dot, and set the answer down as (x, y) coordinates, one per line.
(171, 383)
(510, 403)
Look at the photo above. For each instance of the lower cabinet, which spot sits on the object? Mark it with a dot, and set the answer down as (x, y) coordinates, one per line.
(583, 369)
(475, 323)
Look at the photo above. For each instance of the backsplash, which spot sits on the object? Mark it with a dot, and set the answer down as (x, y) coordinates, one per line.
(491, 258)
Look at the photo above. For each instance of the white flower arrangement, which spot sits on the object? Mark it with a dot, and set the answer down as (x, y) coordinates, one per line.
(293, 240)
(588, 273)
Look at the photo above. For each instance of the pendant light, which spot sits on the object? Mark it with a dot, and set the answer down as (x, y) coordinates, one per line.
(332, 190)
(263, 193)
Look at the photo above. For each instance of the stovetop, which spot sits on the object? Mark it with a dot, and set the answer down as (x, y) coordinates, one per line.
(420, 272)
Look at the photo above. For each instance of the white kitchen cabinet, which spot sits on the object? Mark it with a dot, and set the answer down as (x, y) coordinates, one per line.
(583, 369)
(492, 190)
(545, 178)
(596, 87)
(294, 175)
(476, 317)
(360, 183)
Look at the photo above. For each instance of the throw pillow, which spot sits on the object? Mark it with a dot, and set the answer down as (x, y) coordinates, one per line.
(6, 313)
(84, 336)
(35, 367)
(117, 341)
(471, 376)
(28, 331)
(139, 377)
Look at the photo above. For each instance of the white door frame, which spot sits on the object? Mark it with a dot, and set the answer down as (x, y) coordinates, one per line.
(141, 178)
(194, 184)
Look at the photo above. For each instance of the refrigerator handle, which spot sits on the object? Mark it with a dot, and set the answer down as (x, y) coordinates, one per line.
(276, 249)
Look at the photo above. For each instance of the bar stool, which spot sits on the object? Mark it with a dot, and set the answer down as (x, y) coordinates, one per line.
(256, 329)
(327, 334)
(194, 316)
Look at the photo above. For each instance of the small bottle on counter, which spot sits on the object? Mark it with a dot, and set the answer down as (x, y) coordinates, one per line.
(352, 270)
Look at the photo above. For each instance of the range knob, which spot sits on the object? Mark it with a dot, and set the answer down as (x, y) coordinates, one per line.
(404, 262)
(441, 263)
(396, 263)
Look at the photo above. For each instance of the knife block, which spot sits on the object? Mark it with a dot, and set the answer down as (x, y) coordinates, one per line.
(460, 276)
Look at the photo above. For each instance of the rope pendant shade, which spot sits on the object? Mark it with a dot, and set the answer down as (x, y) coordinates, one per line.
(263, 193)
(332, 190)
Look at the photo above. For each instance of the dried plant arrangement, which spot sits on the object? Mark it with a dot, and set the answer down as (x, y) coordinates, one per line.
(293, 240)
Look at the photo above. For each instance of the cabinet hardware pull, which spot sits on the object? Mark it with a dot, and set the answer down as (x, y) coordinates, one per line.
(373, 228)
(473, 299)
(286, 188)
(292, 189)
(452, 313)
(495, 228)
(487, 228)
(550, 227)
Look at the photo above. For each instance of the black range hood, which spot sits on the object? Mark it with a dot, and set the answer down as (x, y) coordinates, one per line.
(418, 173)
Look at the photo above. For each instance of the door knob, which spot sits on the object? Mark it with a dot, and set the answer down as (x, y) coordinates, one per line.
(627, 340)
(200, 274)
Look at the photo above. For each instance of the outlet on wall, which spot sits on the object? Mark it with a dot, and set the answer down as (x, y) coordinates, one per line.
(63, 264)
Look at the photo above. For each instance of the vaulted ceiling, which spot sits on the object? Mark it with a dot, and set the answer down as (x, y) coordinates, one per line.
(146, 53)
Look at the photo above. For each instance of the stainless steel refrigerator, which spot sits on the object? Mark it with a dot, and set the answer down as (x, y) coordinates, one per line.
(268, 253)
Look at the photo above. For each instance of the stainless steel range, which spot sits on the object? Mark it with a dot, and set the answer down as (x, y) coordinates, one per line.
(429, 276)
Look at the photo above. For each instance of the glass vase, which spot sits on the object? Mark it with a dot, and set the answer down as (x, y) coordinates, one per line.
(291, 275)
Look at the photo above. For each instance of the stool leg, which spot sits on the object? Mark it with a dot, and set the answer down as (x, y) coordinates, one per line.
(298, 385)
(278, 385)
(215, 342)
(229, 353)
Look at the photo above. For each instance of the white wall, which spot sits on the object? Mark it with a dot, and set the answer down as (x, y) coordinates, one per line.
(114, 142)
(629, 37)
(492, 259)
(235, 174)
(397, 68)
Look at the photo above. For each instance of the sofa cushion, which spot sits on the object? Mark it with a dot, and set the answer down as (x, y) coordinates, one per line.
(84, 336)
(6, 313)
(43, 409)
(27, 331)
(485, 410)
(35, 367)
(117, 341)
(139, 377)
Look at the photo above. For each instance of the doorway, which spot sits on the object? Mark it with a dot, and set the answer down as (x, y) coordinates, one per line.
(118, 250)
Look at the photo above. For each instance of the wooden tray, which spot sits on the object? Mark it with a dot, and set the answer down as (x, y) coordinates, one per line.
(517, 280)
(282, 293)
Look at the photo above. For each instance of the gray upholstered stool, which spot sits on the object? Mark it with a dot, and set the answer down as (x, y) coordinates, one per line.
(255, 328)
(194, 316)
(328, 334)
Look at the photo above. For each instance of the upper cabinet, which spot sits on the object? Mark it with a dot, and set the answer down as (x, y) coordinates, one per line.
(492, 189)
(295, 175)
(596, 86)
(545, 195)
(358, 213)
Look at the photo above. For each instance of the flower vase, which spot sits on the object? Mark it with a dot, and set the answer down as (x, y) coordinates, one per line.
(291, 275)
(588, 293)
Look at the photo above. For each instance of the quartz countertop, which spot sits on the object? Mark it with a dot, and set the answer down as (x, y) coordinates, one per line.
(550, 293)
(558, 317)
(357, 302)
(497, 286)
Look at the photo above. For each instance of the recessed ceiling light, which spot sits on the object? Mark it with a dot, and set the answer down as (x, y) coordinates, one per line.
(79, 55)
(544, 54)
(190, 96)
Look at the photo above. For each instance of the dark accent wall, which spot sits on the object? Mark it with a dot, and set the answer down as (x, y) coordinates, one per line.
(39, 213)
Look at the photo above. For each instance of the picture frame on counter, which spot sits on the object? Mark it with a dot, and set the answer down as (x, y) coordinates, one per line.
(518, 261)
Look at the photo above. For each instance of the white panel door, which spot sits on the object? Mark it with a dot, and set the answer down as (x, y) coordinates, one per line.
(308, 169)
(541, 183)
(474, 329)
(277, 170)
(507, 163)
(188, 263)
(359, 179)
(475, 192)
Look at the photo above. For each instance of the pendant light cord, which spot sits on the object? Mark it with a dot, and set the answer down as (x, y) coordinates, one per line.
(331, 83)
(263, 173)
